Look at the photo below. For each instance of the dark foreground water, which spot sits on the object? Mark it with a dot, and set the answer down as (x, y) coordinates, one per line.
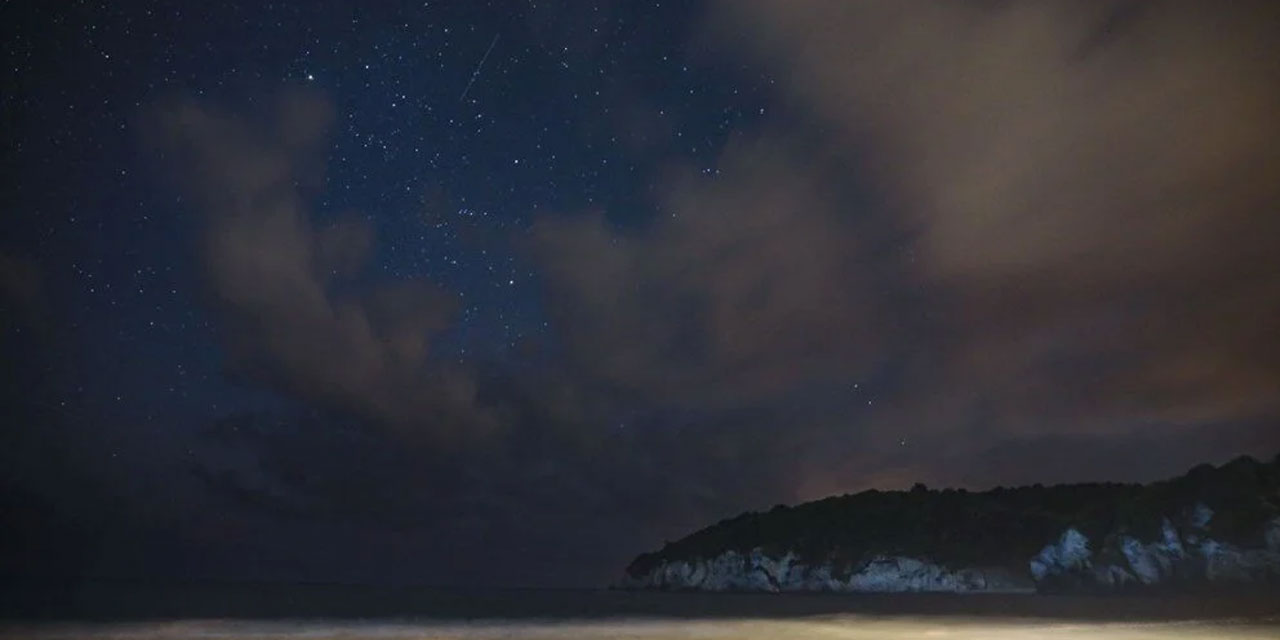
(338, 612)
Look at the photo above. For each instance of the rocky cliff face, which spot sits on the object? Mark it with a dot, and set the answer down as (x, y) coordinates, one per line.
(1118, 543)
(756, 571)
(1181, 556)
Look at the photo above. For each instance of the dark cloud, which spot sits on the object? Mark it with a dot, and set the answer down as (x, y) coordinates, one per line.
(401, 441)
(272, 270)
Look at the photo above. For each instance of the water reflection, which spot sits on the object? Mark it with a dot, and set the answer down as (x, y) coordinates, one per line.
(830, 627)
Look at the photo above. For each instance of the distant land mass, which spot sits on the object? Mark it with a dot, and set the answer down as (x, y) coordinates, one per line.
(1213, 528)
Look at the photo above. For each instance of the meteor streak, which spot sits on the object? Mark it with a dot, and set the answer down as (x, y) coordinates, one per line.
(478, 68)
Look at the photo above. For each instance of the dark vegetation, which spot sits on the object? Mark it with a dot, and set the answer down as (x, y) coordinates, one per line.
(1000, 527)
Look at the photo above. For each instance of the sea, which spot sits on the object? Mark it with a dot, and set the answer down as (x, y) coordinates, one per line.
(262, 611)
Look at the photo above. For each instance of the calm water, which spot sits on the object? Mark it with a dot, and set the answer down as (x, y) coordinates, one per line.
(263, 611)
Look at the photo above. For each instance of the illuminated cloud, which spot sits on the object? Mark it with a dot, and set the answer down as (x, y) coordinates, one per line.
(1091, 189)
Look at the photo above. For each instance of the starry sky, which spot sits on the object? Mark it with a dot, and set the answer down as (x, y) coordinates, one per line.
(504, 293)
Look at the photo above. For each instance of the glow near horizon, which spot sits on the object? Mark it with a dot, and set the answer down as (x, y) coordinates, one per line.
(827, 627)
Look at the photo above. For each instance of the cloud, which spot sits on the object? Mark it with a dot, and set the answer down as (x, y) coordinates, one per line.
(745, 287)
(1091, 188)
(1009, 221)
(471, 458)
(272, 270)
(996, 231)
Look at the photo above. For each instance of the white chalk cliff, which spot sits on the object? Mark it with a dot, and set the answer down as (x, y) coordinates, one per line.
(755, 571)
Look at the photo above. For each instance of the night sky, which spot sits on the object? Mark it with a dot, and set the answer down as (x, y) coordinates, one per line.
(504, 293)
